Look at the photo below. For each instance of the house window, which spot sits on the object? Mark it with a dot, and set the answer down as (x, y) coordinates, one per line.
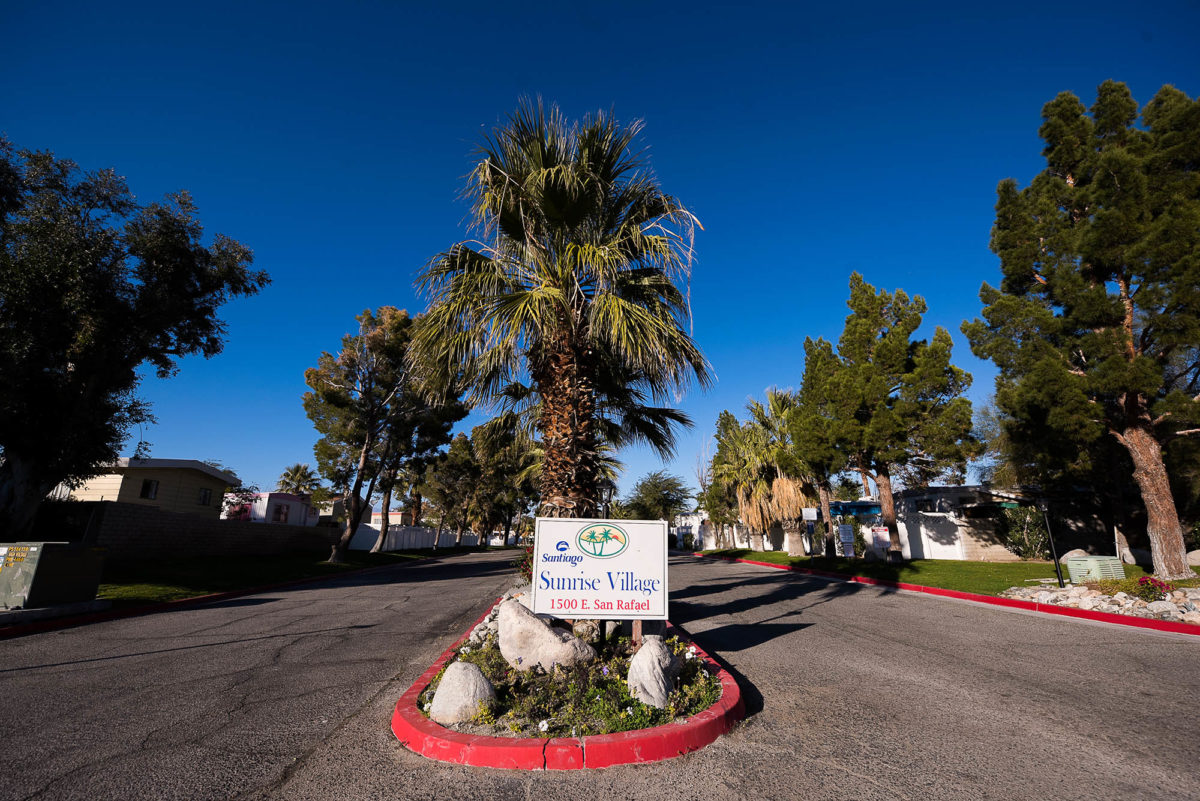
(280, 515)
(149, 489)
(205, 496)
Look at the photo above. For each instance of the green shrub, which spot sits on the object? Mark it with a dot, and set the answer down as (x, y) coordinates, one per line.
(1147, 588)
(1023, 531)
(583, 699)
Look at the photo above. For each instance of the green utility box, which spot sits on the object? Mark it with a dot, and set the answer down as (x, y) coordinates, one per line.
(36, 574)
(1094, 568)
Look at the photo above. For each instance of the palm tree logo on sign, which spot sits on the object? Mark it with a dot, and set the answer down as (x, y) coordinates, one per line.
(602, 540)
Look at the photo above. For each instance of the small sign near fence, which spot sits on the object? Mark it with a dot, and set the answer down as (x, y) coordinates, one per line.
(880, 537)
(610, 569)
(846, 535)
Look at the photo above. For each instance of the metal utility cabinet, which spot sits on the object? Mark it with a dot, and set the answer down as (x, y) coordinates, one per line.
(36, 574)
(1094, 568)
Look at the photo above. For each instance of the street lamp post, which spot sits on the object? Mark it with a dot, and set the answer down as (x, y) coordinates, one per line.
(606, 489)
(1043, 508)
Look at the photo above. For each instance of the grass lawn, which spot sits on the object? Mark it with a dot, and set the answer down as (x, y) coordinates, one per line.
(985, 578)
(157, 580)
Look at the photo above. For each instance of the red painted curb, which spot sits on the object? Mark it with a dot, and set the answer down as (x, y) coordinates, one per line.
(421, 735)
(52, 624)
(1032, 606)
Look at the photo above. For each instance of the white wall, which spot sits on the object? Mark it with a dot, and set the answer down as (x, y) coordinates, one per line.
(930, 535)
(404, 538)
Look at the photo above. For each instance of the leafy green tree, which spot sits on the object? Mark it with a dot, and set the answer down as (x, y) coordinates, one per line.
(897, 401)
(658, 496)
(451, 482)
(407, 446)
(717, 498)
(1024, 533)
(92, 287)
(369, 406)
(573, 279)
(1096, 324)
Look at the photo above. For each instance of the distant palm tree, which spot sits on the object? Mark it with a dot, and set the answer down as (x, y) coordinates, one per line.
(299, 479)
(575, 280)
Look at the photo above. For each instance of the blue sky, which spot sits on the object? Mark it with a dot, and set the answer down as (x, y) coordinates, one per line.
(333, 139)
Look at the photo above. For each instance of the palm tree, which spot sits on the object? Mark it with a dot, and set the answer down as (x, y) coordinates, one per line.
(757, 460)
(299, 479)
(574, 280)
(793, 479)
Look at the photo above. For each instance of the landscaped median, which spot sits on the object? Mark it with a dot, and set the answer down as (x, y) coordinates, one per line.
(427, 738)
(982, 575)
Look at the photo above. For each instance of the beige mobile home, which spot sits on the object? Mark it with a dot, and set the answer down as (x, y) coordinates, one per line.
(187, 486)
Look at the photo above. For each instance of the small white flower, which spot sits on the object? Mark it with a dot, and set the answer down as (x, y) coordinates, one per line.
(689, 655)
(704, 673)
(628, 710)
(465, 651)
(544, 725)
(427, 706)
(691, 649)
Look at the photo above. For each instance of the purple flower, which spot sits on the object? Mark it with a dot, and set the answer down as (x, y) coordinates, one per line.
(604, 670)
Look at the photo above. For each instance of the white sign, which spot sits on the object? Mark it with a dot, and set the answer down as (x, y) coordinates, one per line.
(810, 513)
(610, 569)
(881, 536)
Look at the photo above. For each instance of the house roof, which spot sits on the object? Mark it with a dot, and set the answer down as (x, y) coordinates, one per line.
(176, 464)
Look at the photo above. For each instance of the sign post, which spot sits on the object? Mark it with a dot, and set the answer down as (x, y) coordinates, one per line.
(610, 569)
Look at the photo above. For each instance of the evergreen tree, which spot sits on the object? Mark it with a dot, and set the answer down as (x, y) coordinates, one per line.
(815, 439)
(368, 403)
(1096, 324)
(897, 401)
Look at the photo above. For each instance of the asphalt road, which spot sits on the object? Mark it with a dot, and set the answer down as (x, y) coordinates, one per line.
(854, 693)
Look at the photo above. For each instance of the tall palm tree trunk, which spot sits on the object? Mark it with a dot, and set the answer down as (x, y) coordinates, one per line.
(568, 426)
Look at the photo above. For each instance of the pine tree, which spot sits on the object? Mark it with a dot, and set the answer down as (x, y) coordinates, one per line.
(1096, 324)
(896, 401)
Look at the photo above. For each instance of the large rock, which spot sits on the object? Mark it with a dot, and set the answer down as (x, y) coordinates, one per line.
(526, 640)
(650, 672)
(1141, 556)
(1078, 552)
(1193, 558)
(587, 630)
(1163, 608)
(459, 695)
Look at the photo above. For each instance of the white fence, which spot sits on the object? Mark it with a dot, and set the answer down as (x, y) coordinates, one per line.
(405, 538)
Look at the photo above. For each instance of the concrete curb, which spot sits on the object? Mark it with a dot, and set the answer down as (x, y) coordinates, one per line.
(37, 627)
(1032, 606)
(422, 736)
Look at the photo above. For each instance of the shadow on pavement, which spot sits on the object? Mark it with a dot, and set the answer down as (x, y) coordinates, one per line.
(234, 641)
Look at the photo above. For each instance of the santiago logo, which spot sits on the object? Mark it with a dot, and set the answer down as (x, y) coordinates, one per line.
(602, 540)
